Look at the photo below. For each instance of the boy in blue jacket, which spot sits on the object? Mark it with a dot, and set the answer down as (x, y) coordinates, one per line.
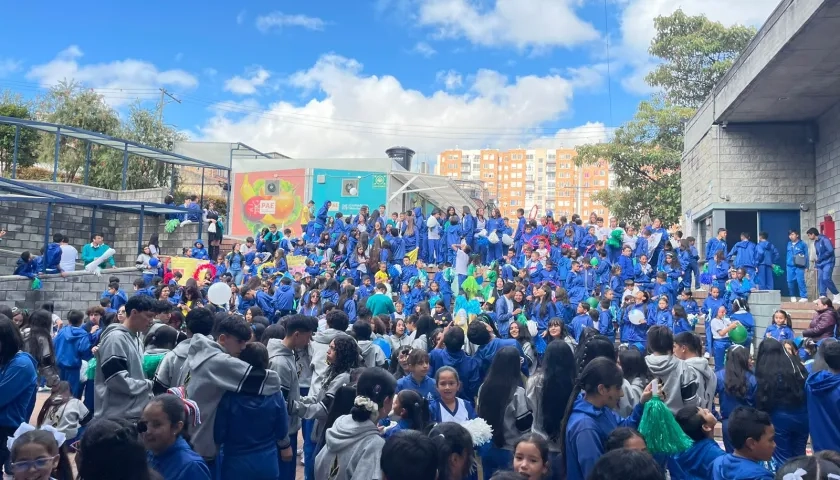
(452, 355)
(259, 299)
(198, 251)
(117, 297)
(26, 266)
(752, 435)
(766, 254)
(72, 345)
(284, 298)
(696, 462)
(822, 391)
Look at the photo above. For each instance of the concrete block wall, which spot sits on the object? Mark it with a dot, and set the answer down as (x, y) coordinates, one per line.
(828, 172)
(77, 291)
(762, 306)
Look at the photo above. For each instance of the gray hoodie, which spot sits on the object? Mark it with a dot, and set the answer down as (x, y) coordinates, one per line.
(351, 451)
(171, 371)
(318, 352)
(518, 419)
(210, 372)
(707, 381)
(677, 378)
(371, 354)
(632, 391)
(120, 386)
(281, 359)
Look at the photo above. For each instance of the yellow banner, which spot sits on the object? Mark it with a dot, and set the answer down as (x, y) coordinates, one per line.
(187, 267)
(296, 263)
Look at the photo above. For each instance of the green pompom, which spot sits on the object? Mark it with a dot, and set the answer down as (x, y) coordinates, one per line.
(172, 225)
(36, 284)
(778, 271)
(660, 429)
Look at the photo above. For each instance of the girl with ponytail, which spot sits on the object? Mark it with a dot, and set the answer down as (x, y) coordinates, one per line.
(590, 417)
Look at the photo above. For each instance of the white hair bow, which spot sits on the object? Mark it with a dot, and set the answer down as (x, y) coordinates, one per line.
(25, 427)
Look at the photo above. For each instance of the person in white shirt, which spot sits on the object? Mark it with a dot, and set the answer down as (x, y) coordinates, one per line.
(69, 256)
(433, 228)
(248, 246)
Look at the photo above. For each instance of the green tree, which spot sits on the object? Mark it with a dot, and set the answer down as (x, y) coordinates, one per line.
(143, 126)
(644, 156)
(695, 53)
(69, 104)
(14, 106)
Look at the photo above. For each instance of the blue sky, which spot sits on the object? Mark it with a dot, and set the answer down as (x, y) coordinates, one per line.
(335, 78)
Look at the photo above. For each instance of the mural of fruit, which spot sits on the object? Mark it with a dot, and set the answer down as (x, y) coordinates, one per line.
(261, 209)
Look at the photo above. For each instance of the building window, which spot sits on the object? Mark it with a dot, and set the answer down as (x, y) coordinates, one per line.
(529, 157)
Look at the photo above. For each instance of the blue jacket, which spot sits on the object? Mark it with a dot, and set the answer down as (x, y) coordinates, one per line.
(198, 251)
(503, 317)
(265, 302)
(628, 270)
(579, 323)
(766, 253)
(587, 430)
(641, 248)
(18, 386)
(713, 246)
(468, 228)
(349, 308)
(53, 257)
(798, 249)
(825, 251)
(792, 429)
(468, 368)
(605, 324)
(26, 269)
(435, 406)
(179, 462)
(779, 333)
(72, 345)
(485, 353)
(730, 467)
(284, 298)
(711, 306)
(744, 252)
(696, 462)
(823, 395)
(537, 315)
(634, 333)
(426, 388)
(251, 423)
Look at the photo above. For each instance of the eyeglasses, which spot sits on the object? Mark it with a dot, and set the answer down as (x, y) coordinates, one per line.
(39, 463)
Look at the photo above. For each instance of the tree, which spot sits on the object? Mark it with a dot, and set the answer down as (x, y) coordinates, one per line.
(142, 126)
(14, 106)
(644, 156)
(695, 52)
(69, 104)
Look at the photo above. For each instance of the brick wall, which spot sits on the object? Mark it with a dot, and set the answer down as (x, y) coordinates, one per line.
(26, 224)
(77, 291)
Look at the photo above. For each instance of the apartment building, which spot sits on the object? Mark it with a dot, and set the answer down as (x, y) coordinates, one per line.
(524, 178)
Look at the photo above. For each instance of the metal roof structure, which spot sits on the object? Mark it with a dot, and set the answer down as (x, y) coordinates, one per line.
(130, 146)
(441, 191)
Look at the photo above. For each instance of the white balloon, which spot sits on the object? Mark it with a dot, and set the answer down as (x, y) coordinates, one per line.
(219, 293)
(636, 317)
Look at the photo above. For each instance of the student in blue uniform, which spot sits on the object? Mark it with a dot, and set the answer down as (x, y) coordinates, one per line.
(590, 416)
(782, 328)
(780, 391)
(163, 426)
(696, 462)
(796, 262)
(822, 391)
(735, 387)
(766, 254)
(752, 436)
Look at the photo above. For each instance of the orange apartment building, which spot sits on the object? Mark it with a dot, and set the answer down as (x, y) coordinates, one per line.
(523, 178)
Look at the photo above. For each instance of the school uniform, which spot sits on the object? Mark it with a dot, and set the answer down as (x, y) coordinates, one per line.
(731, 467)
(72, 345)
(587, 431)
(792, 430)
(779, 333)
(696, 462)
(728, 403)
(765, 254)
(518, 419)
(180, 462)
(579, 324)
(796, 274)
(468, 368)
(440, 413)
(823, 397)
(426, 387)
(635, 335)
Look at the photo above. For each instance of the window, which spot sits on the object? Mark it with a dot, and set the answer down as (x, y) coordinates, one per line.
(585, 174)
(552, 156)
(540, 170)
(566, 156)
(529, 157)
(549, 176)
(487, 175)
(514, 203)
(453, 157)
(515, 193)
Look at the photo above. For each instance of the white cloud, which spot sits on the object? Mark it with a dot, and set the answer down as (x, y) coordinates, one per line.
(130, 75)
(591, 132)
(424, 49)
(9, 66)
(637, 30)
(450, 79)
(279, 20)
(588, 76)
(240, 17)
(247, 85)
(535, 24)
(346, 113)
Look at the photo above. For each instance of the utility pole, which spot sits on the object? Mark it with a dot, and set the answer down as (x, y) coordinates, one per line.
(163, 101)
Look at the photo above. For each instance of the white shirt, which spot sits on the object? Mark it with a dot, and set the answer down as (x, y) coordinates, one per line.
(460, 415)
(718, 324)
(462, 262)
(69, 255)
(432, 226)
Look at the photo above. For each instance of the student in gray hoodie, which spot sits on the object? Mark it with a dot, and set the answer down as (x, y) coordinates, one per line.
(171, 371)
(678, 380)
(212, 370)
(121, 389)
(281, 359)
(337, 323)
(372, 355)
(353, 446)
(689, 348)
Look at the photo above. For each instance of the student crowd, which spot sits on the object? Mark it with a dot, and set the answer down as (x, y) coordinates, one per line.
(551, 333)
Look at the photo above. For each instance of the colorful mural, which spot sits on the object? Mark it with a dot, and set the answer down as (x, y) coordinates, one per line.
(270, 197)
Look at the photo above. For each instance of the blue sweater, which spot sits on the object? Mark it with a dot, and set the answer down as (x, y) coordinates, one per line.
(72, 345)
(696, 462)
(425, 388)
(730, 467)
(251, 423)
(587, 430)
(468, 368)
(17, 390)
(823, 396)
(179, 462)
